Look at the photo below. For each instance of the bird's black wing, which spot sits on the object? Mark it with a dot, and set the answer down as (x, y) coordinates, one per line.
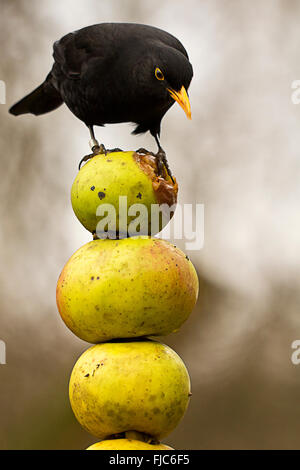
(73, 52)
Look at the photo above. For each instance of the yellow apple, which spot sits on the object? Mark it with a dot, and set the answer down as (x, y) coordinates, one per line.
(106, 178)
(127, 444)
(124, 386)
(126, 288)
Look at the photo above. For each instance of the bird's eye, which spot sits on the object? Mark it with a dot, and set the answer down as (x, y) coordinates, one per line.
(159, 75)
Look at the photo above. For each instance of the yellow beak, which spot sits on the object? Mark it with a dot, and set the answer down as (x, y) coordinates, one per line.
(182, 99)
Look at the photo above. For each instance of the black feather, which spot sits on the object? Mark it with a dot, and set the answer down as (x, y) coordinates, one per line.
(42, 100)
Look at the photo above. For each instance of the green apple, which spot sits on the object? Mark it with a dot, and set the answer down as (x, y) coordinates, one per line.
(124, 386)
(126, 288)
(125, 184)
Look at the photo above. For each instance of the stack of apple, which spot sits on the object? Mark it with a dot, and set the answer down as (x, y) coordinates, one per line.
(127, 390)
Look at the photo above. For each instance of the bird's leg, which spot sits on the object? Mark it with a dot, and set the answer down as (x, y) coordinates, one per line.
(161, 160)
(94, 144)
(95, 147)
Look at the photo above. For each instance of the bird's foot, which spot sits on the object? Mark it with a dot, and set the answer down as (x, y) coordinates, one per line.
(96, 149)
(161, 161)
(162, 164)
(114, 150)
(144, 152)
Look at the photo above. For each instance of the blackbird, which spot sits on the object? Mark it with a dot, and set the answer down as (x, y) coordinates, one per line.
(112, 73)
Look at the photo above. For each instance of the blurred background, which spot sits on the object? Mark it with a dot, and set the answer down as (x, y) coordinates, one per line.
(239, 156)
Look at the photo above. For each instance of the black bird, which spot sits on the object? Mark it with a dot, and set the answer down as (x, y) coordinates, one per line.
(112, 73)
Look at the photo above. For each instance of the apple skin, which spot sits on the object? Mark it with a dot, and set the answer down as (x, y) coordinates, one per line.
(125, 386)
(126, 288)
(107, 177)
(127, 444)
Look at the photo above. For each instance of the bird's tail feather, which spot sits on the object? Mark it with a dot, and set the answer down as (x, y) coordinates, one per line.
(42, 100)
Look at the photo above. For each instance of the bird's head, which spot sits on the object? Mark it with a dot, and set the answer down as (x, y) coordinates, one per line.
(167, 72)
(172, 74)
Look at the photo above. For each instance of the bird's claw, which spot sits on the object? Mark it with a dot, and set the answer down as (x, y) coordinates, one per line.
(114, 150)
(161, 161)
(144, 152)
(97, 150)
